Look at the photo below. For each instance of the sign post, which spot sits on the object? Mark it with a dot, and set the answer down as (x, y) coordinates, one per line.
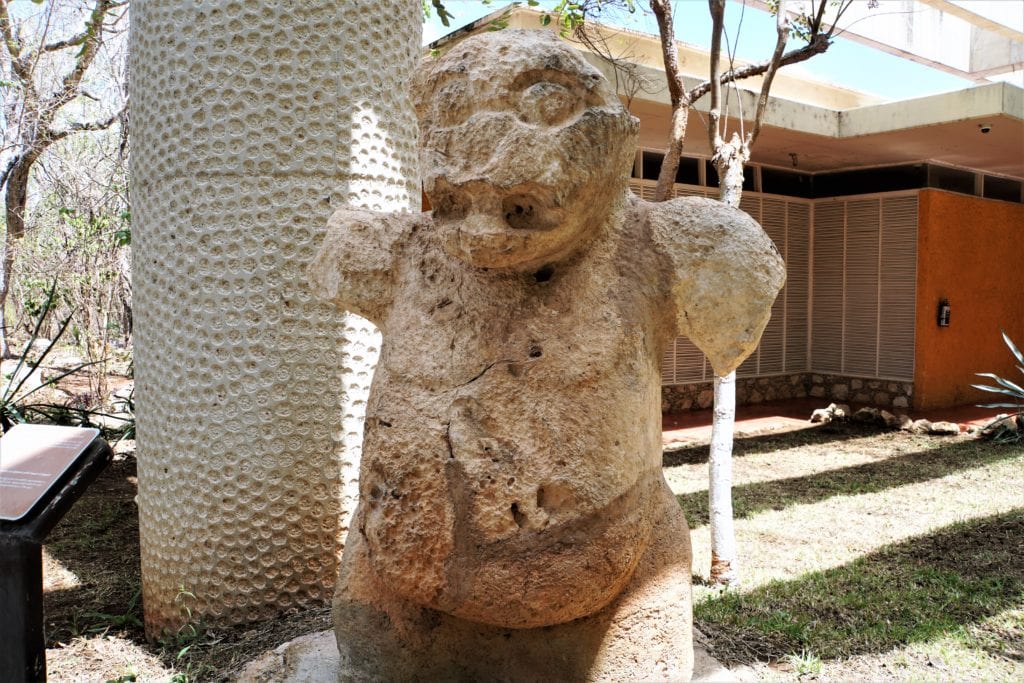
(43, 471)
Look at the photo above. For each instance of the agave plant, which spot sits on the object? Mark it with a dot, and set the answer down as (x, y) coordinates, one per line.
(1006, 428)
(14, 408)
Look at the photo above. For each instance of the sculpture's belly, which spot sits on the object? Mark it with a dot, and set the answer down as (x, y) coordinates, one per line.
(513, 446)
(512, 499)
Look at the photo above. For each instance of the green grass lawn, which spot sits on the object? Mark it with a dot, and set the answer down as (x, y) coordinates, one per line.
(866, 556)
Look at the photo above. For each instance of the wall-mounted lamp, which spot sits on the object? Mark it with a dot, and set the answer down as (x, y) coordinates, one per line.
(943, 313)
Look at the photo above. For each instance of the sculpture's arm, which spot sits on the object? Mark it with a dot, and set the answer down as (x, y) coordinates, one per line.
(354, 268)
(725, 275)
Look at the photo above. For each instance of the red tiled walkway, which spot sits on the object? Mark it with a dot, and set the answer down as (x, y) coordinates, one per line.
(786, 416)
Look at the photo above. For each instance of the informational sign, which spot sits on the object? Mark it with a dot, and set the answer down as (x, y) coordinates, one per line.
(32, 460)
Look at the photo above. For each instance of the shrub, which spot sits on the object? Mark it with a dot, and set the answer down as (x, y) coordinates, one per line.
(1005, 428)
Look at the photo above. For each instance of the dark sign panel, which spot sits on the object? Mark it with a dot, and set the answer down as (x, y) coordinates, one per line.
(32, 459)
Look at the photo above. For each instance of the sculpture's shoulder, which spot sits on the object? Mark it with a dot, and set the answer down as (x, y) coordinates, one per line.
(723, 270)
(699, 235)
(695, 226)
(355, 268)
(371, 234)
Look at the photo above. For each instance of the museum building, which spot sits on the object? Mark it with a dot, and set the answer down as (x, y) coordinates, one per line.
(901, 224)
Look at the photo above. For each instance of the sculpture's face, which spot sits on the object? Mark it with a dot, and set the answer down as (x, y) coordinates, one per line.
(525, 148)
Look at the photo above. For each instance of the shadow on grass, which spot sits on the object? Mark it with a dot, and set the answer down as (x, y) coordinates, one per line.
(942, 584)
(750, 499)
(749, 445)
(98, 542)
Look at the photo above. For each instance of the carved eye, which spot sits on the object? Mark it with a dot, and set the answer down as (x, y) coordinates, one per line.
(548, 104)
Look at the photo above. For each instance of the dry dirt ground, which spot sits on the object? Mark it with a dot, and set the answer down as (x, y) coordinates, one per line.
(866, 556)
(92, 603)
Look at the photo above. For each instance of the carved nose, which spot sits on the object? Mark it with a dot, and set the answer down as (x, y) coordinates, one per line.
(524, 212)
(519, 215)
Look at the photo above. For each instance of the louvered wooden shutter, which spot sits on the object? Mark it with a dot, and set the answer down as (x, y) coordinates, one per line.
(898, 284)
(683, 363)
(643, 188)
(798, 235)
(689, 191)
(770, 352)
(751, 203)
(864, 287)
(827, 287)
(848, 307)
(860, 300)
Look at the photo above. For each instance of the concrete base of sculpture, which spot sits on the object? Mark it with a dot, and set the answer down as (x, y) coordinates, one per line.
(313, 658)
(644, 634)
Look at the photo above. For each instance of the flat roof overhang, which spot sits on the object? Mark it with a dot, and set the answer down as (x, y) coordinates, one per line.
(945, 128)
(966, 39)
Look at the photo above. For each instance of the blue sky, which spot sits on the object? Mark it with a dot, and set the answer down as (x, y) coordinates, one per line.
(846, 63)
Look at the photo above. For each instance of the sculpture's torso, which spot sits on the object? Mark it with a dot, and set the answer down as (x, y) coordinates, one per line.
(513, 434)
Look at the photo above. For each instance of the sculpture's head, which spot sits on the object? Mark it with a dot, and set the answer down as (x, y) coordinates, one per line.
(525, 148)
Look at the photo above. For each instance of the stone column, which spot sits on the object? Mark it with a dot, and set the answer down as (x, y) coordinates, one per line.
(251, 122)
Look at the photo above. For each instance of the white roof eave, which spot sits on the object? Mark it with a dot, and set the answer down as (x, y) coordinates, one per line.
(992, 99)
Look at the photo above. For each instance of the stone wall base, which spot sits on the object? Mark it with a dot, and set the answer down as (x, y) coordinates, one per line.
(681, 398)
(879, 393)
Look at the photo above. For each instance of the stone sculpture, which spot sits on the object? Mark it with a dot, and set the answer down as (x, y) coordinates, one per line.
(513, 521)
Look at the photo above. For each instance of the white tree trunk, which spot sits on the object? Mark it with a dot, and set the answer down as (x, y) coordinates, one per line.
(724, 558)
(252, 122)
(729, 160)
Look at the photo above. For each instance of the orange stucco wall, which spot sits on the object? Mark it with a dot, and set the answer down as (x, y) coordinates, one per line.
(971, 252)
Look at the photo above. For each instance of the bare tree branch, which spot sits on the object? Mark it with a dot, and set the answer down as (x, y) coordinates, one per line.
(33, 132)
(819, 19)
(677, 93)
(782, 28)
(16, 192)
(669, 52)
(77, 127)
(626, 71)
(7, 171)
(818, 42)
(19, 66)
(94, 30)
(717, 8)
(817, 46)
(68, 42)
